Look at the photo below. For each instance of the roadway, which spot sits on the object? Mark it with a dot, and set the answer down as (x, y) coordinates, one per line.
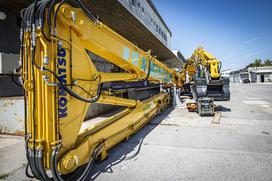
(178, 145)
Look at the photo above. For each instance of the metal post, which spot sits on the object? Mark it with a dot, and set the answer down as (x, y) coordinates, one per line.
(161, 87)
(174, 96)
(187, 77)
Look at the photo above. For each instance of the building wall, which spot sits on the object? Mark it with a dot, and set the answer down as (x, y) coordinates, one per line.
(9, 32)
(235, 78)
(8, 62)
(225, 73)
(238, 77)
(8, 88)
(144, 12)
(267, 77)
(12, 115)
(9, 52)
(265, 68)
(258, 72)
(253, 77)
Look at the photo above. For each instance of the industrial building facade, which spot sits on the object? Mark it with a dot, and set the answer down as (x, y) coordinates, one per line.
(260, 74)
(146, 12)
(9, 51)
(147, 29)
(252, 74)
(140, 22)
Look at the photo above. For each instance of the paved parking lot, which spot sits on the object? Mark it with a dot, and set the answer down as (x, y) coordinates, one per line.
(178, 145)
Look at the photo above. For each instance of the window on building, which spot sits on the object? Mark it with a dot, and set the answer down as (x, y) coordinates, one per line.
(133, 2)
(139, 5)
(142, 9)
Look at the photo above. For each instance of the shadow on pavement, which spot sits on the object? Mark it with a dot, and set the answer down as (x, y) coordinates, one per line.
(125, 150)
(220, 108)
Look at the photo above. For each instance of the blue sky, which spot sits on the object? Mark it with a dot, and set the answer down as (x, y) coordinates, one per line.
(234, 31)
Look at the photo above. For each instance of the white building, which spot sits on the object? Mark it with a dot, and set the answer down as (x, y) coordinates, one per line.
(260, 74)
(252, 74)
(226, 73)
(238, 76)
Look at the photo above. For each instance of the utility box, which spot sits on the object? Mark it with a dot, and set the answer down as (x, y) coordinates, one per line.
(205, 106)
(8, 62)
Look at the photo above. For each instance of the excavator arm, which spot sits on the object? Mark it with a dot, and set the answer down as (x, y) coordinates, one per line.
(61, 81)
(205, 61)
(202, 76)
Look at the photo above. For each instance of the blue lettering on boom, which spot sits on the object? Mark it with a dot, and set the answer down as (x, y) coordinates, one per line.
(61, 68)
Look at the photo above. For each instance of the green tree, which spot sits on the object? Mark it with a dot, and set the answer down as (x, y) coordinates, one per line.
(258, 63)
(267, 62)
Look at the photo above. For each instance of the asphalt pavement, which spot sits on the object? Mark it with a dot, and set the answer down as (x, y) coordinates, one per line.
(178, 145)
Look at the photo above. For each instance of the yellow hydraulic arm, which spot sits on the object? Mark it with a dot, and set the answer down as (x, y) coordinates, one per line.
(201, 77)
(205, 61)
(61, 81)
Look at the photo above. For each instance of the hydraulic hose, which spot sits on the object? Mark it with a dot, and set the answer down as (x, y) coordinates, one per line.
(40, 166)
(54, 2)
(148, 71)
(25, 103)
(33, 162)
(56, 174)
(56, 12)
(74, 94)
(51, 7)
(87, 12)
(220, 66)
(67, 89)
(28, 159)
(13, 80)
(43, 6)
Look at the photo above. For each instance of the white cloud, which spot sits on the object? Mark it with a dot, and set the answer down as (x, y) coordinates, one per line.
(228, 57)
(251, 40)
(256, 53)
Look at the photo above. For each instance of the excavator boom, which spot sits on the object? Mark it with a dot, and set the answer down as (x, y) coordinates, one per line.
(61, 81)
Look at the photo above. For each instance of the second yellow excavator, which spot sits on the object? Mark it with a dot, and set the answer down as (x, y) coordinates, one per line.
(201, 76)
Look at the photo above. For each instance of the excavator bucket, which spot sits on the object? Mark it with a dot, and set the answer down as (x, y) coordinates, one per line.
(217, 89)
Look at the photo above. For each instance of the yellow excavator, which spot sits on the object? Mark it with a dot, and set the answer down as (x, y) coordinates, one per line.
(201, 76)
(60, 82)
